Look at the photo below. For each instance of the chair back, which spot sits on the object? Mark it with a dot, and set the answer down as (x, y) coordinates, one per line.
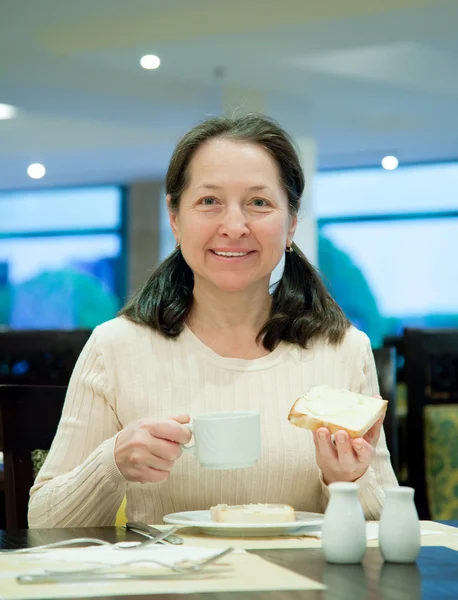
(29, 416)
(431, 371)
(385, 362)
(441, 460)
(40, 357)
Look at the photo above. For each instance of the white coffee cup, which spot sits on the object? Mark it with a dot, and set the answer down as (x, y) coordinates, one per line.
(226, 440)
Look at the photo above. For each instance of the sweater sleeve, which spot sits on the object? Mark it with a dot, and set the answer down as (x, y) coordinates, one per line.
(380, 474)
(79, 485)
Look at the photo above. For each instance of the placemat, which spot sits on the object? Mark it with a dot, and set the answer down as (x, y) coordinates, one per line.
(194, 538)
(248, 573)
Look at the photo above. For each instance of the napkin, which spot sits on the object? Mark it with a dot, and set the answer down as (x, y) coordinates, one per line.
(105, 555)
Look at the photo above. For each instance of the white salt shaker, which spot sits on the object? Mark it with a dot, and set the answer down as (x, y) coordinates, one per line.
(343, 533)
(399, 529)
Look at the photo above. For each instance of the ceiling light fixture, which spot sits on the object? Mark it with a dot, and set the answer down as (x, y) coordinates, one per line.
(7, 111)
(150, 61)
(390, 163)
(36, 171)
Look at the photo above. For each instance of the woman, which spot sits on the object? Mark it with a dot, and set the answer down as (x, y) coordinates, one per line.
(205, 334)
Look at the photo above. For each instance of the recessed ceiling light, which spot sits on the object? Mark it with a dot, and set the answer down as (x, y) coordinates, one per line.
(390, 163)
(150, 61)
(7, 111)
(36, 171)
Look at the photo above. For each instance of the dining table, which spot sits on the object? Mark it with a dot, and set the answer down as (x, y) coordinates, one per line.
(434, 576)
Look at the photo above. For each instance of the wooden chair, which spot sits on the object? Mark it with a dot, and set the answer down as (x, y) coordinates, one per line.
(431, 372)
(29, 416)
(40, 357)
(385, 362)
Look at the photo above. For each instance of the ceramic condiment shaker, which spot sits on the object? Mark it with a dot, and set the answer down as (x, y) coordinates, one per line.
(399, 533)
(343, 534)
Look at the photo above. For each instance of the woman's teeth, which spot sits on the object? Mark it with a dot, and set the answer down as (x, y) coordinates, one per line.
(230, 253)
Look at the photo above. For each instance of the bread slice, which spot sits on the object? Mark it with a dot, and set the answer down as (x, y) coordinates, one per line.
(336, 409)
(252, 513)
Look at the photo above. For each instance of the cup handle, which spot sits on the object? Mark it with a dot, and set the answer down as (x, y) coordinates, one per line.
(189, 448)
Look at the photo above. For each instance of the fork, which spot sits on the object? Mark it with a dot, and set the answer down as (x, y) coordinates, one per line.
(95, 541)
(105, 572)
(148, 531)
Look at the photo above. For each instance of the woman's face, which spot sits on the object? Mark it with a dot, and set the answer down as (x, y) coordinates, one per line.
(233, 223)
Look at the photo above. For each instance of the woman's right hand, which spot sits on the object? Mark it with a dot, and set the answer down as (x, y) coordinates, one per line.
(146, 451)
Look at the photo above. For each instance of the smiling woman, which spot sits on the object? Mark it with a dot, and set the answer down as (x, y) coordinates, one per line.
(206, 335)
(233, 239)
(233, 189)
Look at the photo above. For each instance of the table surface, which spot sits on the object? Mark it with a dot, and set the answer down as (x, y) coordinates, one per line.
(433, 577)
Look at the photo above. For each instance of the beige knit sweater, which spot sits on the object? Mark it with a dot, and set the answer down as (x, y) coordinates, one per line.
(127, 372)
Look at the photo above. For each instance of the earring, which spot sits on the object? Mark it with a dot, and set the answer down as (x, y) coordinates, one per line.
(289, 249)
(177, 245)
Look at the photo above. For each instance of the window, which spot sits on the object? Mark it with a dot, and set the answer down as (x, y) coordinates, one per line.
(390, 271)
(61, 261)
(369, 192)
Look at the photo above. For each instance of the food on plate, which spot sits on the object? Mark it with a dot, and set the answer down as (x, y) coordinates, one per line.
(336, 409)
(252, 513)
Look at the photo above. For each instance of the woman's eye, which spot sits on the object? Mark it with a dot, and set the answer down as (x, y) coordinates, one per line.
(207, 201)
(259, 202)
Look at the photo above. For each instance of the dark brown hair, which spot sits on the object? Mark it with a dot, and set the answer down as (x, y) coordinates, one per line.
(301, 306)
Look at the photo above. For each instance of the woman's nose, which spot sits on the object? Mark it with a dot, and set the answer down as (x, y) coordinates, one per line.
(234, 223)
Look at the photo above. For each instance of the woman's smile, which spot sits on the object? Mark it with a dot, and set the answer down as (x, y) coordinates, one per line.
(231, 256)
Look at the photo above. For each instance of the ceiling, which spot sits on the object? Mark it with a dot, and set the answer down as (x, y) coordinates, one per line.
(364, 78)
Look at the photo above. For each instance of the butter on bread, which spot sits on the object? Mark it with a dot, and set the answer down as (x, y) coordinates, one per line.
(252, 513)
(337, 409)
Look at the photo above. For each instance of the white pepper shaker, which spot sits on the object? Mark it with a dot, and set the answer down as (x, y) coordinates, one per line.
(399, 529)
(343, 533)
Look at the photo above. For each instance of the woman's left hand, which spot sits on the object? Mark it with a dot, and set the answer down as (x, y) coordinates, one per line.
(348, 459)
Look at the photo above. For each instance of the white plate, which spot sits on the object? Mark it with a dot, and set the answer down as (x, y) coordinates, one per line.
(201, 520)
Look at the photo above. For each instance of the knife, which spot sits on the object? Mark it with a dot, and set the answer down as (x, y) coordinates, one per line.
(148, 531)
